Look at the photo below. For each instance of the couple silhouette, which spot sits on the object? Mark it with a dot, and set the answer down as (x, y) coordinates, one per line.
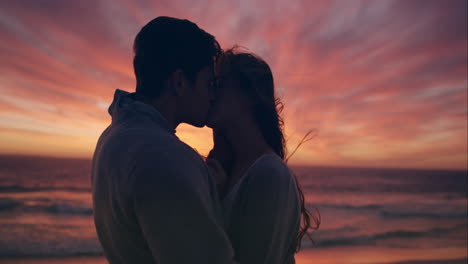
(155, 199)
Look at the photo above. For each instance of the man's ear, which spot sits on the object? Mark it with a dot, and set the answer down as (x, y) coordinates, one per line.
(178, 82)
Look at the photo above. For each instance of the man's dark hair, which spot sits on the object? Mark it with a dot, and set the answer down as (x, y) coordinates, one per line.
(166, 44)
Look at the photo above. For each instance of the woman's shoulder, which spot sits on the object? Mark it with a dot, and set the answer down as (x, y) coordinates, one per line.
(271, 163)
(270, 169)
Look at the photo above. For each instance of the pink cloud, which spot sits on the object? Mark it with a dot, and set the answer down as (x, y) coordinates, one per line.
(384, 82)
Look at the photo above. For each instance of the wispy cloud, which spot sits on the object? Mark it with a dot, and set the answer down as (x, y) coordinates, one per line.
(384, 82)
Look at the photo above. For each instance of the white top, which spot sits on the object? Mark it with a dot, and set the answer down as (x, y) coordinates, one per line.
(262, 213)
(154, 201)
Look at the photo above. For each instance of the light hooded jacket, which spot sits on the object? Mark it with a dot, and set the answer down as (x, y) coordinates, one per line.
(153, 198)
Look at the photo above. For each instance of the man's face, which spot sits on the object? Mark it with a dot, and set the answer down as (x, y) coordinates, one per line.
(198, 98)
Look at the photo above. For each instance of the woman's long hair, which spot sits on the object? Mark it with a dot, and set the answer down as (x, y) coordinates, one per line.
(256, 79)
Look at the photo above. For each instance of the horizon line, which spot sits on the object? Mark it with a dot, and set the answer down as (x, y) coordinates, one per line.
(292, 165)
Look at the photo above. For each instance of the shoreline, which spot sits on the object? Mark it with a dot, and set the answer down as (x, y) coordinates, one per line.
(54, 260)
(305, 257)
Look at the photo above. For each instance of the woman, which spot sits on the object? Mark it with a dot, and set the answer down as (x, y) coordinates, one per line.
(263, 204)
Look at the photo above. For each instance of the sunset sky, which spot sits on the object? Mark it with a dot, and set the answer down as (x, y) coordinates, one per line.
(383, 82)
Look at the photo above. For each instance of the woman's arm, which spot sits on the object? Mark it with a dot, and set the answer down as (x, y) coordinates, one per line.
(270, 216)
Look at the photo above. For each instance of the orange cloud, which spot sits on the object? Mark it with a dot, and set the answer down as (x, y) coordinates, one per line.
(384, 85)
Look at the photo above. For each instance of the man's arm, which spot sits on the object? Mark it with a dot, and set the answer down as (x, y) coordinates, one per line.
(175, 212)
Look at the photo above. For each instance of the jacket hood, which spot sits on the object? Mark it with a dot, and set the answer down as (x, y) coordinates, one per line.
(124, 108)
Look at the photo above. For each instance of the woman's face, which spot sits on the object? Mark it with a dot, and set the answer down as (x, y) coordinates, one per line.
(230, 103)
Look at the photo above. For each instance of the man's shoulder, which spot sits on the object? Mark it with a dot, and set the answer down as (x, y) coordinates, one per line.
(168, 147)
(158, 145)
(146, 144)
(140, 136)
(163, 160)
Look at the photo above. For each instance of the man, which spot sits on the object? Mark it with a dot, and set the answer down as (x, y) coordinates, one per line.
(153, 199)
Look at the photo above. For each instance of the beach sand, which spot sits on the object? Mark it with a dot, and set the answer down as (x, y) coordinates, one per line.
(306, 256)
(381, 255)
(57, 260)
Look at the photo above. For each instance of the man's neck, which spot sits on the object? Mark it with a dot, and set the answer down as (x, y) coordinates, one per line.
(165, 106)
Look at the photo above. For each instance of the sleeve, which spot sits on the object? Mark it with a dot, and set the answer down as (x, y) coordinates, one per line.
(176, 214)
(271, 216)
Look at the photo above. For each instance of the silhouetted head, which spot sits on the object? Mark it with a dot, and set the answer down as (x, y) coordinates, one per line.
(174, 58)
(245, 87)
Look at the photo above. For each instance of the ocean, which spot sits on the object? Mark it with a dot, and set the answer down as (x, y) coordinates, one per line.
(367, 215)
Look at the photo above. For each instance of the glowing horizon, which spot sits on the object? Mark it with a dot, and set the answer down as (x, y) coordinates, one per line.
(383, 82)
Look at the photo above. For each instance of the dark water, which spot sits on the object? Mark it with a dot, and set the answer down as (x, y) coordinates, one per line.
(45, 209)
